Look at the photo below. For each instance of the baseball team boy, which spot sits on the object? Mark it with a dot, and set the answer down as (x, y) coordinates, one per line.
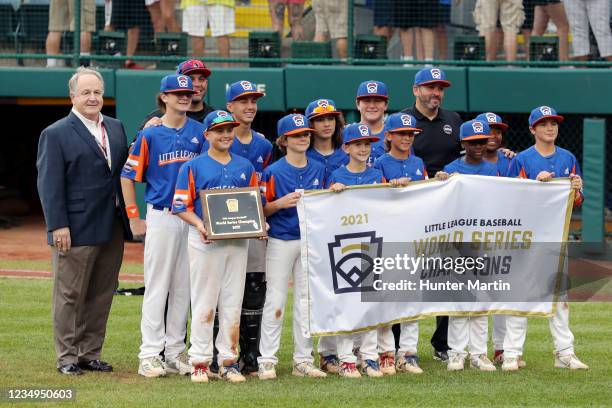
(217, 270)
(372, 101)
(242, 97)
(327, 124)
(494, 153)
(281, 187)
(156, 157)
(543, 161)
(357, 144)
(470, 332)
(400, 167)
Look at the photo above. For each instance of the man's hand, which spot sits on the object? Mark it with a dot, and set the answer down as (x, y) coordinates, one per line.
(289, 200)
(545, 176)
(138, 227)
(508, 154)
(400, 182)
(61, 239)
(442, 175)
(153, 122)
(576, 181)
(337, 187)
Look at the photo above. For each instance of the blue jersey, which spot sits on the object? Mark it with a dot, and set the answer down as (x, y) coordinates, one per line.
(204, 173)
(378, 148)
(280, 179)
(393, 168)
(484, 168)
(529, 163)
(157, 156)
(331, 162)
(258, 151)
(348, 178)
(503, 164)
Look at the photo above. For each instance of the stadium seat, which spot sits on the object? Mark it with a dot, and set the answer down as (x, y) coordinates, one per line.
(543, 48)
(33, 23)
(311, 49)
(370, 46)
(8, 25)
(264, 44)
(469, 48)
(170, 45)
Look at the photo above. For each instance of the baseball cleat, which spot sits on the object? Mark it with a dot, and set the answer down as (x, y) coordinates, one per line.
(482, 363)
(199, 372)
(371, 368)
(231, 373)
(349, 370)
(455, 363)
(387, 364)
(180, 365)
(307, 369)
(441, 356)
(510, 364)
(330, 364)
(266, 371)
(498, 359)
(569, 361)
(151, 367)
(408, 363)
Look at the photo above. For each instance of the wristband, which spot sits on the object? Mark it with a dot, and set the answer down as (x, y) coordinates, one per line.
(132, 211)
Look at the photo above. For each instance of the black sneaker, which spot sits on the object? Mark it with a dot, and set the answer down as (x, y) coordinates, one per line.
(441, 356)
(213, 370)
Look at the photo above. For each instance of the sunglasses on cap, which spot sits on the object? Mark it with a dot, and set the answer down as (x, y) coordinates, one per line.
(324, 109)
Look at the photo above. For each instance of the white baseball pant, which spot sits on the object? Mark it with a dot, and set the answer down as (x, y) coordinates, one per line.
(563, 338)
(467, 333)
(596, 12)
(218, 273)
(166, 277)
(366, 342)
(499, 331)
(409, 339)
(283, 260)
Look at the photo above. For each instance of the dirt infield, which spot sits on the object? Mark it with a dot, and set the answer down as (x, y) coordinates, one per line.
(28, 241)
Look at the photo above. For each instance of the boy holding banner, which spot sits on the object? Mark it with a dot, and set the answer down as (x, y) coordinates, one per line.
(358, 141)
(281, 186)
(543, 161)
(470, 332)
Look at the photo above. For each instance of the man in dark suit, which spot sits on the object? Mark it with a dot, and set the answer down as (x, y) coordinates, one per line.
(79, 163)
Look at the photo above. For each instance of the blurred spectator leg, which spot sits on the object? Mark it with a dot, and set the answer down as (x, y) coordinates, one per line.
(295, 11)
(195, 21)
(407, 40)
(277, 15)
(167, 14)
(511, 17)
(578, 19)
(599, 17)
(443, 20)
(108, 12)
(222, 25)
(133, 34)
(556, 13)
(156, 16)
(485, 16)
(428, 40)
(128, 15)
(52, 47)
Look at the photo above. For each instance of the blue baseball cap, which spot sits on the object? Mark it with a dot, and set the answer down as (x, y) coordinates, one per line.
(321, 107)
(356, 132)
(219, 118)
(292, 124)
(240, 89)
(176, 83)
(372, 89)
(493, 120)
(399, 122)
(192, 66)
(429, 76)
(543, 112)
(474, 130)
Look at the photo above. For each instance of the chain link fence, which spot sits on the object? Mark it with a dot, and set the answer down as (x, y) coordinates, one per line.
(149, 33)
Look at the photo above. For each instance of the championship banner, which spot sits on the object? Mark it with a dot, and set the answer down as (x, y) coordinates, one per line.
(471, 245)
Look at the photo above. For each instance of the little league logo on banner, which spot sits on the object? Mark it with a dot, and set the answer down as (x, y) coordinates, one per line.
(367, 268)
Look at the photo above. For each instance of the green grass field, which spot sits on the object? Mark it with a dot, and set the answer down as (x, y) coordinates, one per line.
(27, 360)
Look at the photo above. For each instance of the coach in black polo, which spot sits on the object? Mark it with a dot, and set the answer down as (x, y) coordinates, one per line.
(438, 144)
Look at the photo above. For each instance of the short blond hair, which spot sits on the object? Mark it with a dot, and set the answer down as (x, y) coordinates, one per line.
(81, 71)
